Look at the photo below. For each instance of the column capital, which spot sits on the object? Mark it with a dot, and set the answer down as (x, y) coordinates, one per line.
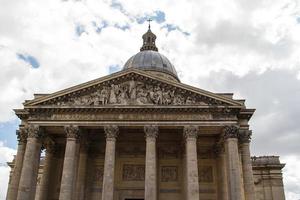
(190, 132)
(245, 136)
(151, 131)
(72, 131)
(21, 135)
(111, 132)
(49, 145)
(34, 131)
(231, 132)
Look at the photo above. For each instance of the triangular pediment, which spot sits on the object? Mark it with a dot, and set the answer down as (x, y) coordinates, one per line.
(131, 87)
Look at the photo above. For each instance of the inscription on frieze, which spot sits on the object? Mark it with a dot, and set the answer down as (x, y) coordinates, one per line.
(205, 174)
(169, 173)
(133, 172)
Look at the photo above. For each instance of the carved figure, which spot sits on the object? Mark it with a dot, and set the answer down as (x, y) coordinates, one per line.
(113, 94)
(132, 89)
(122, 97)
(178, 100)
(167, 99)
(104, 96)
(190, 100)
(142, 96)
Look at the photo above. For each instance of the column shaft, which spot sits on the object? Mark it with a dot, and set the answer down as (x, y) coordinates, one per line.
(28, 180)
(192, 179)
(247, 165)
(109, 162)
(69, 167)
(233, 169)
(81, 175)
(44, 185)
(12, 190)
(222, 173)
(151, 163)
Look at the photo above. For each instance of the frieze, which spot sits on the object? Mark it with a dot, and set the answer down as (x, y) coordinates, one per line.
(169, 174)
(133, 92)
(133, 172)
(120, 116)
(205, 174)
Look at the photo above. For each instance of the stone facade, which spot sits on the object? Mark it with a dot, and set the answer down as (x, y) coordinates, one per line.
(136, 134)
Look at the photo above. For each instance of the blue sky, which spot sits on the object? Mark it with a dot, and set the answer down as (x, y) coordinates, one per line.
(8, 133)
(250, 48)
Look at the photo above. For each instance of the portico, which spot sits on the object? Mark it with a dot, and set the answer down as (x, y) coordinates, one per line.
(120, 161)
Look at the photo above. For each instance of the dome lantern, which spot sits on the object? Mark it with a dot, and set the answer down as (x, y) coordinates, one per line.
(149, 59)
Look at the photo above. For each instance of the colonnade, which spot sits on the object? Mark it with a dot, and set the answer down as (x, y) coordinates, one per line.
(237, 182)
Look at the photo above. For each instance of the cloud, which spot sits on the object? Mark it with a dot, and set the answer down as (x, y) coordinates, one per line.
(291, 177)
(275, 94)
(6, 155)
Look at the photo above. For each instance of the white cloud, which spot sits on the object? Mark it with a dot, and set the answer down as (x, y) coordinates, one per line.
(6, 155)
(291, 177)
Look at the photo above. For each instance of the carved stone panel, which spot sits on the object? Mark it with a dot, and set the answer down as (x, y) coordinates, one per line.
(205, 174)
(133, 172)
(98, 175)
(133, 92)
(169, 173)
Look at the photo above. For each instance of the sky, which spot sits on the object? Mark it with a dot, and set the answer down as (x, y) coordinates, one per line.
(250, 48)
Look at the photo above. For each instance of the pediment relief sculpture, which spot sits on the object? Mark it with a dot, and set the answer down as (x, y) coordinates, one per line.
(136, 93)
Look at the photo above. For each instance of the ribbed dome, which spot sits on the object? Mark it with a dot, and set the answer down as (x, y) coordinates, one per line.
(152, 61)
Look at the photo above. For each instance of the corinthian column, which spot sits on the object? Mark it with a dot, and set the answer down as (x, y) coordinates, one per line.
(150, 174)
(222, 171)
(245, 136)
(44, 186)
(111, 133)
(192, 188)
(81, 175)
(233, 169)
(12, 191)
(69, 169)
(27, 185)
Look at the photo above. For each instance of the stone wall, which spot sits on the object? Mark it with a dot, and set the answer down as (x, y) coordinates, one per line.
(268, 182)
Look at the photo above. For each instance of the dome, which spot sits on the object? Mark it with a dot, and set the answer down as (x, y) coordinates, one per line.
(149, 59)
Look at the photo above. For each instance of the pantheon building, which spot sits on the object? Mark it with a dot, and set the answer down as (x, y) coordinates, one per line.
(139, 134)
